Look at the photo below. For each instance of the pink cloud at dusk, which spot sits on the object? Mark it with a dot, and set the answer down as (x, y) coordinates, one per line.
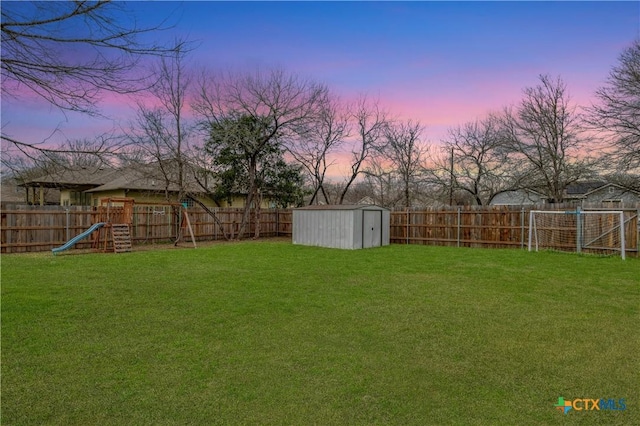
(443, 63)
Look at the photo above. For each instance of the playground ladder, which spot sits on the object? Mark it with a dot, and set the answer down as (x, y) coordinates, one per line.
(121, 237)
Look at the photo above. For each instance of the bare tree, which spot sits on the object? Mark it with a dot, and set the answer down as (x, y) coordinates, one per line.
(162, 132)
(332, 190)
(406, 153)
(69, 53)
(324, 135)
(617, 114)
(543, 133)
(628, 181)
(475, 160)
(254, 112)
(74, 154)
(382, 182)
(70, 155)
(369, 122)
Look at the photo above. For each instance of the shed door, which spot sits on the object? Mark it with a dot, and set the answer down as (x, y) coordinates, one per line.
(371, 228)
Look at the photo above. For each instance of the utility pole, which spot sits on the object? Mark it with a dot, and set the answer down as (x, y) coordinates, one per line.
(451, 180)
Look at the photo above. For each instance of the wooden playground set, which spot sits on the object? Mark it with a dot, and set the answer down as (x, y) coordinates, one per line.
(107, 235)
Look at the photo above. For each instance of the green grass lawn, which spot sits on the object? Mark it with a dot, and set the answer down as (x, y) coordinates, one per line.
(272, 333)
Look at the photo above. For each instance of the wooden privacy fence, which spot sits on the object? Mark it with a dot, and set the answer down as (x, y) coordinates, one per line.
(491, 227)
(40, 228)
(462, 227)
(36, 228)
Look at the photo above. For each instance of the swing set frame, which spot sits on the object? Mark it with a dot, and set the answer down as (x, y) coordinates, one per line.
(106, 215)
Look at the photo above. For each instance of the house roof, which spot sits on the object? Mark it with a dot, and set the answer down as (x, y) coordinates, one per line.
(145, 177)
(366, 200)
(12, 192)
(581, 188)
(84, 176)
(612, 185)
(517, 197)
(522, 191)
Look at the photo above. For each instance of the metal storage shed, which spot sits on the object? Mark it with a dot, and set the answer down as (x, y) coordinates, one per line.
(342, 226)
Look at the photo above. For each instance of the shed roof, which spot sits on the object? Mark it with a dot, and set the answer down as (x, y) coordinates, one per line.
(343, 207)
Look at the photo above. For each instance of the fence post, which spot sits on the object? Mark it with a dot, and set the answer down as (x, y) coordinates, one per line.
(578, 230)
(623, 248)
(531, 226)
(408, 216)
(637, 232)
(458, 237)
(522, 228)
(67, 225)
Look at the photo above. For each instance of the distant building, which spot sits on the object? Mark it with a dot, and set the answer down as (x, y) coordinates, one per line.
(607, 195)
(367, 200)
(576, 192)
(12, 192)
(520, 197)
(87, 186)
(585, 193)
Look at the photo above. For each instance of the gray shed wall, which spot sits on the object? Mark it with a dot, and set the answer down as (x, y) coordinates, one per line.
(341, 228)
(324, 228)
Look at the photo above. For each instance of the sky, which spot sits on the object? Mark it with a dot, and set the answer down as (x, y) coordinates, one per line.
(442, 63)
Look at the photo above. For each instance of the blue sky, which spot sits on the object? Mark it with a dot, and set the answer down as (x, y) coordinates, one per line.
(443, 63)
